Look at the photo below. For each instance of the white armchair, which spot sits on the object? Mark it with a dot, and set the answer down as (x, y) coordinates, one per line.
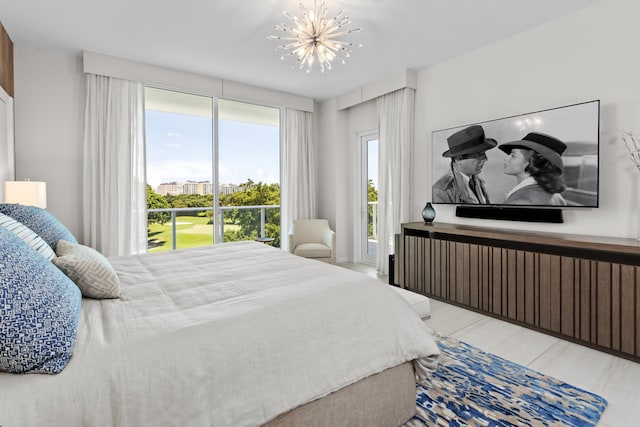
(312, 238)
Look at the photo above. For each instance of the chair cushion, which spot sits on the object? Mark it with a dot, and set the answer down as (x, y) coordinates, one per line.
(312, 250)
(309, 230)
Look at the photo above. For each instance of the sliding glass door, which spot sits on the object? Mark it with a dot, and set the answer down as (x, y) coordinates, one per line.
(249, 171)
(179, 131)
(369, 197)
(213, 171)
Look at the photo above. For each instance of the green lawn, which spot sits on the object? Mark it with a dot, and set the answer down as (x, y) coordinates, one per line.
(191, 231)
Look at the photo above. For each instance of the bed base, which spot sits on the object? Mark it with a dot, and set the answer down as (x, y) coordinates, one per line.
(384, 399)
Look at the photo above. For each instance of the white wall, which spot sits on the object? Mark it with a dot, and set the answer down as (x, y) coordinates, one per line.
(339, 169)
(327, 125)
(49, 117)
(591, 54)
(49, 99)
(172, 79)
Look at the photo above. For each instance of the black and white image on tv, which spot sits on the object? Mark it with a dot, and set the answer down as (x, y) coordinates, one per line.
(553, 153)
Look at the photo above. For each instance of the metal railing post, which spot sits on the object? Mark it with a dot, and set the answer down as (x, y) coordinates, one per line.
(221, 225)
(262, 221)
(374, 220)
(173, 230)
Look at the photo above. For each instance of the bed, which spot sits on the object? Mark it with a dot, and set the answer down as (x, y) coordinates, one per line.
(236, 334)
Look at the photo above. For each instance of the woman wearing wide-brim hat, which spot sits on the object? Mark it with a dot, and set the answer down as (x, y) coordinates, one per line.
(536, 163)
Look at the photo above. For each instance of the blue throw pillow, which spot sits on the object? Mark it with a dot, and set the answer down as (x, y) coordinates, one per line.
(39, 310)
(47, 226)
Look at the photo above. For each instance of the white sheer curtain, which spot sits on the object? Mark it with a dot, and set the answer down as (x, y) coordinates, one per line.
(114, 189)
(298, 198)
(395, 124)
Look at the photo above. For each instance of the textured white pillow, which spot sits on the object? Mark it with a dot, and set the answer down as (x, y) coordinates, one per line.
(28, 236)
(88, 269)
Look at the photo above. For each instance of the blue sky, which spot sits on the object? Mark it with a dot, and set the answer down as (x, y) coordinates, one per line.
(179, 148)
(372, 162)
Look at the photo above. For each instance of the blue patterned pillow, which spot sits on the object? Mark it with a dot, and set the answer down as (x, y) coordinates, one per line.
(47, 226)
(39, 310)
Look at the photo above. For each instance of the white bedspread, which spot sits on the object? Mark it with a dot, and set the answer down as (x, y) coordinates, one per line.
(228, 335)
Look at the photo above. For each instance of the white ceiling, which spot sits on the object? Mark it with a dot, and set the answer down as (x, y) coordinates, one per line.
(228, 39)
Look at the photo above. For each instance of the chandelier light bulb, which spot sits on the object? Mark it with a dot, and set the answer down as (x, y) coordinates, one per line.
(314, 38)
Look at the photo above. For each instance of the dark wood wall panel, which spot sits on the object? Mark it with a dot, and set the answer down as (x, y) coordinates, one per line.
(529, 288)
(554, 292)
(603, 304)
(474, 276)
(510, 283)
(495, 273)
(520, 283)
(420, 279)
(584, 299)
(577, 295)
(567, 296)
(637, 312)
(615, 307)
(6, 61)
(429, 272)
(544, 284)
(451, 270)
(628, 303)
(486, 274)
(593, 311)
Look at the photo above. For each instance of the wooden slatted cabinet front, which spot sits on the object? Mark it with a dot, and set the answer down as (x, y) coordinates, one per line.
(581, 288)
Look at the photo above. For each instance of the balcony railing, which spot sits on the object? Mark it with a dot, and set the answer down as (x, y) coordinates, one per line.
(219, 224)
(373, 235)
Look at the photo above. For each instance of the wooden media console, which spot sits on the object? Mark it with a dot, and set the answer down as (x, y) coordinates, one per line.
(584, 289)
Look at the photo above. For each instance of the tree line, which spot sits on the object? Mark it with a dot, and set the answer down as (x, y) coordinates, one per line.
(250, 194)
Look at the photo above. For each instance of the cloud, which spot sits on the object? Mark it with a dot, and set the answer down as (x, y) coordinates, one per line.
(173, 140)
(163, 171)
(172, 170)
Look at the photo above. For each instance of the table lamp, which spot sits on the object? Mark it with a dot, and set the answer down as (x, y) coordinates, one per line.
(31, 193)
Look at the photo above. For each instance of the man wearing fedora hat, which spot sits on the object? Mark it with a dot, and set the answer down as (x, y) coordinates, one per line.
(536, 163)
(461, 184)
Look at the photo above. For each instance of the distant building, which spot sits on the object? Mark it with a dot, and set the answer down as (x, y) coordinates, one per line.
(228, 188)
(206, 188)
(172, 188)
(195, 187)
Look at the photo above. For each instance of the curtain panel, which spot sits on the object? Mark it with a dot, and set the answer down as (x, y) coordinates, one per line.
(395, 126)
(114, 185)
(298, 198)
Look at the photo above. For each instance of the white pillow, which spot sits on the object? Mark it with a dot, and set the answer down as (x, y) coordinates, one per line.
(88, 269)
(28, 236)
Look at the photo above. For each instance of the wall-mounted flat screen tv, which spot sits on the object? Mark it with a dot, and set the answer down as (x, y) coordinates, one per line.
(546, 158)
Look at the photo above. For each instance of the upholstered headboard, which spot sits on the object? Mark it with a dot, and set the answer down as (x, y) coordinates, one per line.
(7, 166)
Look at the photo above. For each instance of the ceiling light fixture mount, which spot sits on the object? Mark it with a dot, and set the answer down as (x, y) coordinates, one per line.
(314, 37)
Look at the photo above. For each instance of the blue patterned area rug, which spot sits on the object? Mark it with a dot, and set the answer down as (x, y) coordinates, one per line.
(475, 388)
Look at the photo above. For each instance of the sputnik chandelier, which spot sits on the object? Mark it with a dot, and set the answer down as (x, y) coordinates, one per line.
(314, 37)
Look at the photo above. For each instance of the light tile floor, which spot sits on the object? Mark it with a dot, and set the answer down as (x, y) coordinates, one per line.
(614, 378)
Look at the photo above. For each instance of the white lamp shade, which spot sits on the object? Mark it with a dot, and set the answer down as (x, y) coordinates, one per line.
(31, 193)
